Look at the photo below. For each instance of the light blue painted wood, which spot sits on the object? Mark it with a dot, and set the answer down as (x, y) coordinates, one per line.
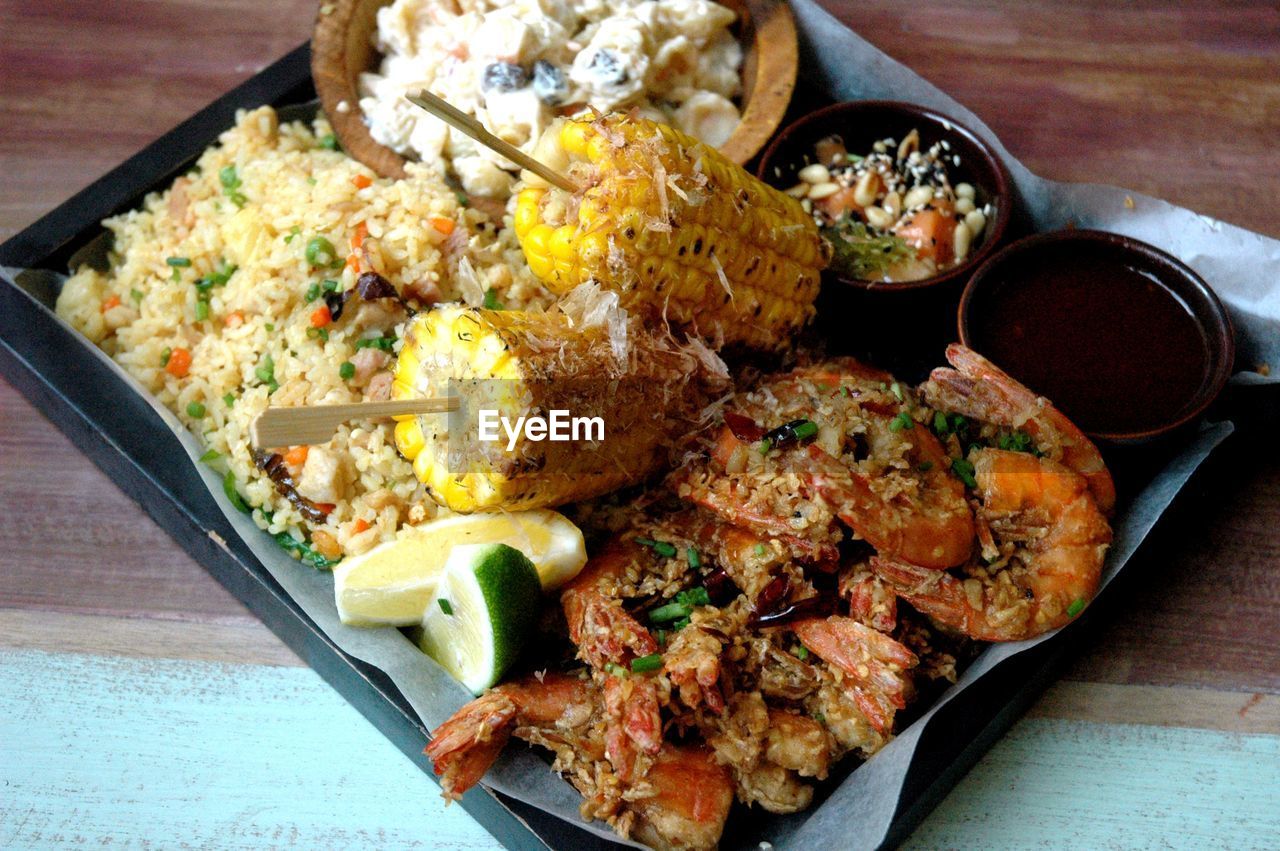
(144, 753)
(1064, 784)
(165, 754)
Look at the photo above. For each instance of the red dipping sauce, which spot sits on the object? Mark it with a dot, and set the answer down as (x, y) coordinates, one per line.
(1125, 340)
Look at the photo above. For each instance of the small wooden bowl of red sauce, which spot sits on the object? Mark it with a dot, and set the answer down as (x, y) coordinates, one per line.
(1127, 341)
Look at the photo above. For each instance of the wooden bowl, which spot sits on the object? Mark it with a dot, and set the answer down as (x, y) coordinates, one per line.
(342, 49)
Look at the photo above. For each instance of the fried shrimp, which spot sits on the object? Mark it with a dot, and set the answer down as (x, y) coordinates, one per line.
(1049, 538)
(875, 666)
(678, 798)
(464, 747)
(978, 389)
(866, 463)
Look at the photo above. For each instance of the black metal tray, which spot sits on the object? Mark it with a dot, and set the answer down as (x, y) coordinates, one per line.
(53, 367)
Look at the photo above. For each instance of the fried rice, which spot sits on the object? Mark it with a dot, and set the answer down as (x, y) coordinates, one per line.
(231, 265)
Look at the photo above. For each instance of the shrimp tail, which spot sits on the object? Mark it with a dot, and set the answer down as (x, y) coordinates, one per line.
(464, 747)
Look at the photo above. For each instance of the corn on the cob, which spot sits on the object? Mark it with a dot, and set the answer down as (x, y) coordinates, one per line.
(680, 232)
(518, 363)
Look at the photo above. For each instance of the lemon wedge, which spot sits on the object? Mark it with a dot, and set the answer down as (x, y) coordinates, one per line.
(392, 583)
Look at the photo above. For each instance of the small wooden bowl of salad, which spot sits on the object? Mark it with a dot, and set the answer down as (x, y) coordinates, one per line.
(342, 49)
(908, 197)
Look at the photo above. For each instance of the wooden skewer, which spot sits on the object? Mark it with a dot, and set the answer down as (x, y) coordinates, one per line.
(310, 424)
(457, 118)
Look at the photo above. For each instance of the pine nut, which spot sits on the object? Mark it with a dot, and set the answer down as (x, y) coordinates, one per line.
(816, 173)
(975, 221)
(918, 197)
(910, 144)
(893, 204)
(799, 190)
(965, 190)
(864, 193)
(961, 241)
(822, 190)
(964, 206)
(878, 218)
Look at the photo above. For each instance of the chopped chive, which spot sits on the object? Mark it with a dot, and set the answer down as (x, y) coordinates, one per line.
(231, 185)
(615, 669)
(136, 295)
(165, 355)
(178, 262)
(662, 548)
(695, 561)
(1075, 608)
(229, 399)
(311, 181)
(313, 293)
(329, 285)
(940, 422)
(761, 549)
(844, 391)
(680, 624)
(964, 470)
(669, 612)
(329, 142)
(387, 343)
(765, 446)
(644, 664)
(293, 231)
(896, 389)
(800, 652)
(202, 310)
(805, 430)
(445, 605)
(229, 488)
(211, 455)
(270, 326)
(902, 422)
(347, 370)
(195, 410)
(491, 301)
(1018, 441)
(694, 597)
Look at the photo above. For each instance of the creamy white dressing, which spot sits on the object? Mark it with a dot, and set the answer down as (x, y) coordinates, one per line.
(516, 64)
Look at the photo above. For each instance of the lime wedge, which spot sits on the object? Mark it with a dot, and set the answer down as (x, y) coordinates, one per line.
(392, 583)
(483, 612)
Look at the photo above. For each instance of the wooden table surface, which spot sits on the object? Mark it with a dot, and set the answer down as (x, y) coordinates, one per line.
(140, 703)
